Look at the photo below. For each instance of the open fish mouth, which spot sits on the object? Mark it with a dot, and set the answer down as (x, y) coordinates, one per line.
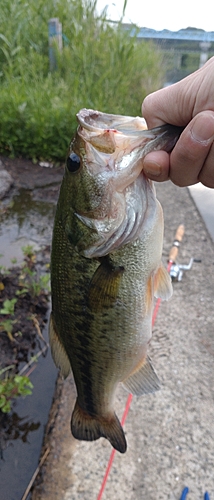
(93, 120)
(126, 132)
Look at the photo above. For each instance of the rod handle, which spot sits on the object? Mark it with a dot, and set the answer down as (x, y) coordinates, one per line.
(176, 243)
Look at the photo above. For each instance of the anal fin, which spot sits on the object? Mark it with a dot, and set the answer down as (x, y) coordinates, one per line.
(57, 349)
(144, 380)
(89, 428)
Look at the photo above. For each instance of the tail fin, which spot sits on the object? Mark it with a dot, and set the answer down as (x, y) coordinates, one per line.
(87, 428)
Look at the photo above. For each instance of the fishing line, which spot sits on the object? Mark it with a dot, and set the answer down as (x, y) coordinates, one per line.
(172, 257)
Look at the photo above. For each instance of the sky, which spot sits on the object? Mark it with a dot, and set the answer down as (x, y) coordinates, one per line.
(163, 14)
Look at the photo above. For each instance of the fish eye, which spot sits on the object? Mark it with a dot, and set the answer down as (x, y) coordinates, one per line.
(73, 162)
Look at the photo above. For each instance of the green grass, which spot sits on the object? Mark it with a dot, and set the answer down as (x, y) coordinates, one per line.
(100, 67)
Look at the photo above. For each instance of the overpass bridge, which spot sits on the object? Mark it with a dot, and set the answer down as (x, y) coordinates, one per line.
(179, 45)
(188, 34)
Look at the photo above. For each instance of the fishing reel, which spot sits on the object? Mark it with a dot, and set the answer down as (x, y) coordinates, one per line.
(176, 270)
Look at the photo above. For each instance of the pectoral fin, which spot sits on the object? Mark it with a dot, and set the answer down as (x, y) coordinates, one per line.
(57, 350)
(162, 284)
(144, 380)
(104, 286)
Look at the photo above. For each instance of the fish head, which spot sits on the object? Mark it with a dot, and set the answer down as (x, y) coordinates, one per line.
(105, 180)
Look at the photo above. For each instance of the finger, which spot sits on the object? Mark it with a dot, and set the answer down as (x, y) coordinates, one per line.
(151, 109)
(206, 175)
(156, 166)
(169, 105)
(190, 153)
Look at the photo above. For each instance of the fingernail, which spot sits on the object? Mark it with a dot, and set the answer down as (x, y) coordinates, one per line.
(203, 130)
(151, 168)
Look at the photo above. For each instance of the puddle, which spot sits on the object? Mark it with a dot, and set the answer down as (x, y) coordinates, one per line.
(26, 221)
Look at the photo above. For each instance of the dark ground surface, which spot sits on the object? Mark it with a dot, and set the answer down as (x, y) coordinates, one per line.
(44, 182)
(26, 309)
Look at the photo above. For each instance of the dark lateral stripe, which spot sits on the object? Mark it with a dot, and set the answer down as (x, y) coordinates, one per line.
(86, 382)
(85, 359)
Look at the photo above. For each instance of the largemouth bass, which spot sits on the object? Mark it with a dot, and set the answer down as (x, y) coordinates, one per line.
(106, 267)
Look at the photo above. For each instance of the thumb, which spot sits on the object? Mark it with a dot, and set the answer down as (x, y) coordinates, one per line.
(194, 152)
(172, 104)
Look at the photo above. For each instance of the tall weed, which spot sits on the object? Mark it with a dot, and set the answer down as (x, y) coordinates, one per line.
(101, 66)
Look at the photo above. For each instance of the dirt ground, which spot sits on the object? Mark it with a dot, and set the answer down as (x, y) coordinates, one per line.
(43, 182)
(170, 434)
(29, 313)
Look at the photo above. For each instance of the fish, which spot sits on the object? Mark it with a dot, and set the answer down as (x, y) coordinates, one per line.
(106, 267)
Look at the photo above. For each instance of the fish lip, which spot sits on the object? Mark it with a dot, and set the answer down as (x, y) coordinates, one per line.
(89, 119)
(93, 120)
(84, 115)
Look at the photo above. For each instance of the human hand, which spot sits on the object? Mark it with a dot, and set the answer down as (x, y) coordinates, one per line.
(188, 103)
